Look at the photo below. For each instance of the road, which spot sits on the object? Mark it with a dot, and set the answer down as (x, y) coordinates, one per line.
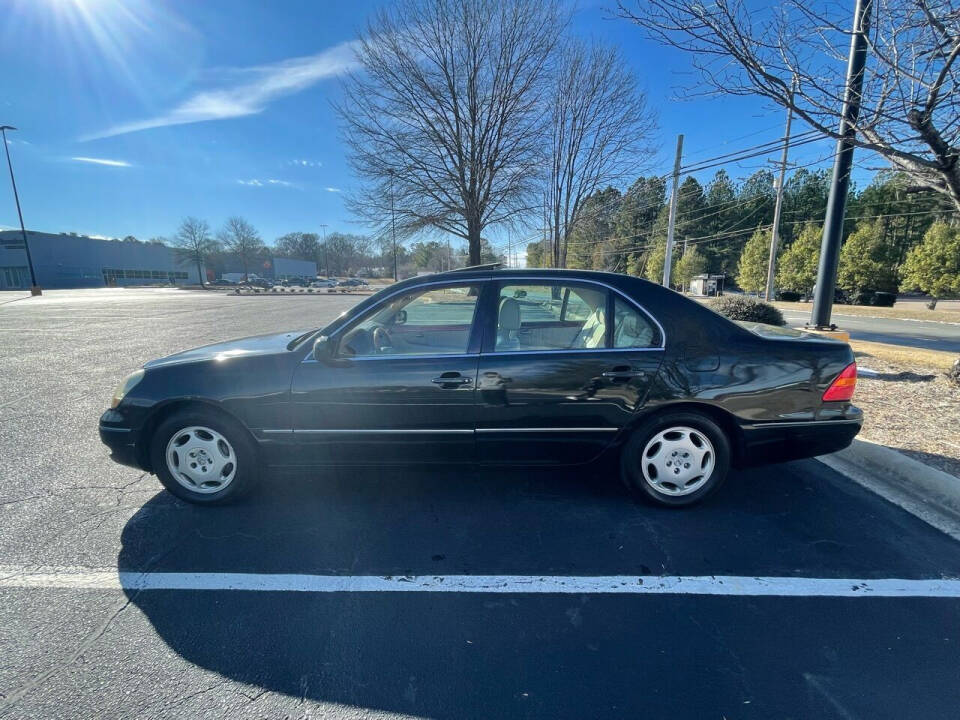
(931, 335)
(73, 644)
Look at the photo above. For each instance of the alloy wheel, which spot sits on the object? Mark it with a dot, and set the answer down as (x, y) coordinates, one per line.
(678, 461)
(201, 459)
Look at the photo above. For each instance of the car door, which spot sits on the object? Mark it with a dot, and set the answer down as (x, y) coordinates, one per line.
(399, 384)
(564, 366)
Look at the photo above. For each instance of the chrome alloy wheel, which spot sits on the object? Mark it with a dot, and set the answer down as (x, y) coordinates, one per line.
(201, 459)
(678, 461)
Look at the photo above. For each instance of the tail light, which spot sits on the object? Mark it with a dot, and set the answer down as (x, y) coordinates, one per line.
(841, 389)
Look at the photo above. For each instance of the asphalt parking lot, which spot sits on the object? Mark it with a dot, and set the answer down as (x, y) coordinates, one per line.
(72, 646)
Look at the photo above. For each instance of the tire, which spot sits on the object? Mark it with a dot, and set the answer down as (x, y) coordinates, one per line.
(692, 460)
(216, 457)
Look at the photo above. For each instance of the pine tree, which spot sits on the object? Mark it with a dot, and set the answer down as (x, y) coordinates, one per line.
(797, 266)
(752, 268)
(933, 266)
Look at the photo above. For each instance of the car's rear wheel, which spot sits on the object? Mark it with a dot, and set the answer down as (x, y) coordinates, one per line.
(676, 459)
(203, 457)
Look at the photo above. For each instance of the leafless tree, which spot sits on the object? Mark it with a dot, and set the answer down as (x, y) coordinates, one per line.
(910, 110)
(444, 119)
(194, 243)
(600, 130)
(241, 238)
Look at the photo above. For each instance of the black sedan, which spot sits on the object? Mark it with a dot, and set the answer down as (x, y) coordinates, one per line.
(495, 367)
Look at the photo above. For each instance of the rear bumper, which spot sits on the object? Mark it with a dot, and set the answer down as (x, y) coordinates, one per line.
(120, 440)
(764, 443)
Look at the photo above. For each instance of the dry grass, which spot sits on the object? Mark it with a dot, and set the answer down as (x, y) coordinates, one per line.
(904, 357)
(910, 405)
(903, 311)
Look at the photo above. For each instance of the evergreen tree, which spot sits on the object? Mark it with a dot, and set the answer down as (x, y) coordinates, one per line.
(690, 265)
(752, 267)
(933, 266)
(797, 265)
(868, 260)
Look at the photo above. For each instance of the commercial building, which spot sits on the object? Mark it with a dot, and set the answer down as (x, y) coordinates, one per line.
(77, 261)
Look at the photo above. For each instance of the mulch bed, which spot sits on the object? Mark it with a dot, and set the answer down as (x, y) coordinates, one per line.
(915, 410)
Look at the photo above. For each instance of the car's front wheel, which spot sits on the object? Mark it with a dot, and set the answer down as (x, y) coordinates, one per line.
(676, 459)
(203, 457)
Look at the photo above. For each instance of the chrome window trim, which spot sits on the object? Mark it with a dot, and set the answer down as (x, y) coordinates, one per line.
(663, 335)
(638, 306)
(309, 358)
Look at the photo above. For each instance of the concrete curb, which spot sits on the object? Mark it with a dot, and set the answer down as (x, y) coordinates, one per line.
(930, 494)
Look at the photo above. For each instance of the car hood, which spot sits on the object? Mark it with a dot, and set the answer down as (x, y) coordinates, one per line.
(243, 347)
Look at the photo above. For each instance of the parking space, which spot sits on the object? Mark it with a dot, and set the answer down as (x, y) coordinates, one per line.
(72, 644)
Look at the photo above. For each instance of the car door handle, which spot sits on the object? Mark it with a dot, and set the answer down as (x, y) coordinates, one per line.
(624, 374)
(451, 380)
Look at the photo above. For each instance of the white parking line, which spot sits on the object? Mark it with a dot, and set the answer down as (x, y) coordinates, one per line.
(87, 579)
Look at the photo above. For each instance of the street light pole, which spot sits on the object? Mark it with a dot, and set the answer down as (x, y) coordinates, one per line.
(34, 288)
(837, 201)
(393, 230)
(326, 258)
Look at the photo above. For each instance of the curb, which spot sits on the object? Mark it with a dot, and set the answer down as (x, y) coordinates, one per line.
(930, 494)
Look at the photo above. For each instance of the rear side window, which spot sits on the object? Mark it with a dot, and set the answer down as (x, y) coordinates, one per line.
(631, 328)
(550, 317)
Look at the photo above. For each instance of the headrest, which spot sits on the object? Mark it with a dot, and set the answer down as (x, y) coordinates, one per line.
(509, 318)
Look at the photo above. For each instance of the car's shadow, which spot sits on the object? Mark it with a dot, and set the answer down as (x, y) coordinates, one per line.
(476, 655)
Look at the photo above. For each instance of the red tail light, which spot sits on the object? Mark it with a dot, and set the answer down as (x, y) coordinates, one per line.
(841, 389)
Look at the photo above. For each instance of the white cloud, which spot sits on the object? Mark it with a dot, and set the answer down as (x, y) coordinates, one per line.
(306, 163)
(255, 182)
(333, 189)
(102, 161)
(247, 91)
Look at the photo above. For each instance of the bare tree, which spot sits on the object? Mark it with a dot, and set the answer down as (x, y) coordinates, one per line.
(241, 238)
(444, 120)
(193, 243)
(600, 129)
(910, 109)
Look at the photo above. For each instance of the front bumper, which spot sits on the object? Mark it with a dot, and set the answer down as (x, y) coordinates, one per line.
(120, 440)
(774, 442)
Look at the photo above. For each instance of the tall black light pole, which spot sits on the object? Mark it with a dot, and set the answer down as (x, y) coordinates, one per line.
(326, 258)
(837, 202)
(393, 230)
(34, 288)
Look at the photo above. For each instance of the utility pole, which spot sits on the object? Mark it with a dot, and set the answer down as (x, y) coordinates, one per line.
(326, 258)
(769, 294)
(34, 288)
(393, 230)
(509, 250)
(837, 202)
(668, 258)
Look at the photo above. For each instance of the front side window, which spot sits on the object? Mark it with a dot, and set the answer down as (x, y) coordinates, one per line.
(550, 316)
(425, 321)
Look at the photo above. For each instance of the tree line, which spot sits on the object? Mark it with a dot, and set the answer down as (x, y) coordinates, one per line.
(724, 228)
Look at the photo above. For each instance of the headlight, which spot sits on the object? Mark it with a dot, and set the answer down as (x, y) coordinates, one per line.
(129, 382)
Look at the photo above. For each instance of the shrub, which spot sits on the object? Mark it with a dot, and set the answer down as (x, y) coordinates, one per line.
(788, 296)
(953, 374)
(750, 309)
(862, 297)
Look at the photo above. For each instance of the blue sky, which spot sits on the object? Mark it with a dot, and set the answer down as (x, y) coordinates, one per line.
(135, 113)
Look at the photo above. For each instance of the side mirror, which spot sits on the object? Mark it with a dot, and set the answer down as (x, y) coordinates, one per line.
(322, 349)
(400, 318)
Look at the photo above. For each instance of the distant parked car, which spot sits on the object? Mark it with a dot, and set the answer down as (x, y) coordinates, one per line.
(260, 283)
(498, 367)
(321, 283)
(353, 282)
